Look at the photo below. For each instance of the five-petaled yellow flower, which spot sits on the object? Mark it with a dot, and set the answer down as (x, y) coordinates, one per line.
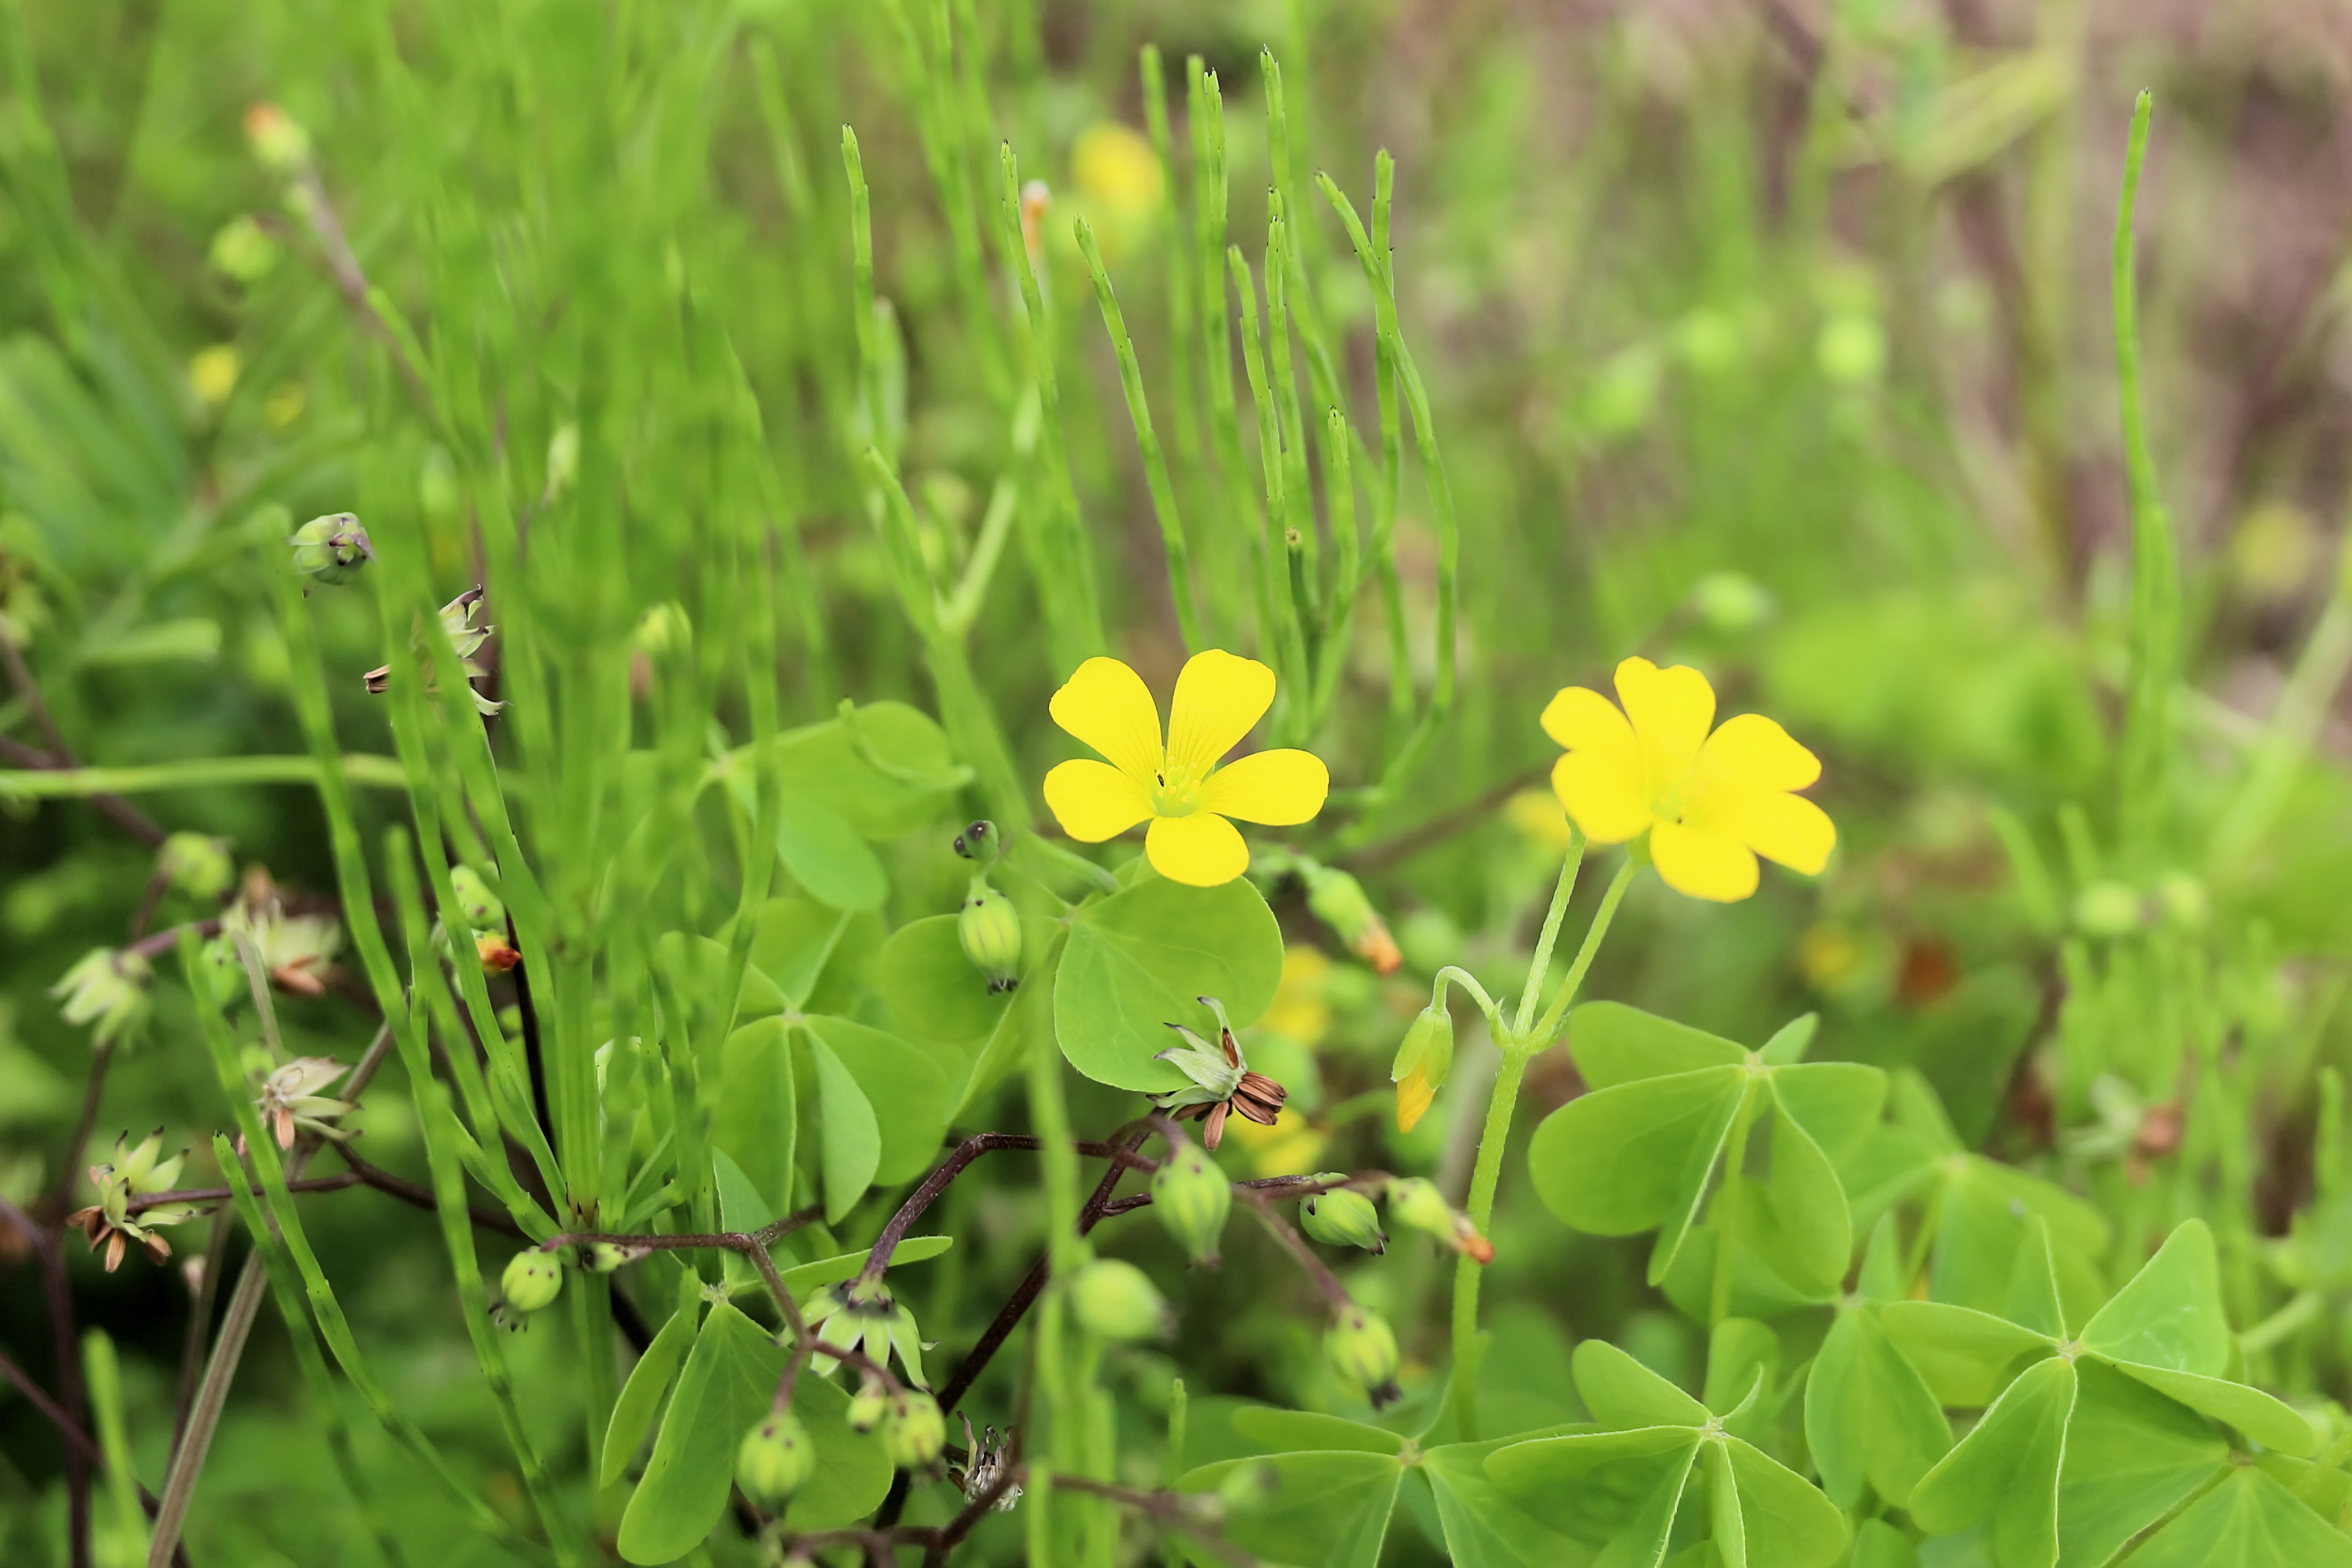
(1177, 785)
(1710, 802)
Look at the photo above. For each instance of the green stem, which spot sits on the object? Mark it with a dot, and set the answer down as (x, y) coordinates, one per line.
(196, 772)
(2155, 585)
(1540, 970)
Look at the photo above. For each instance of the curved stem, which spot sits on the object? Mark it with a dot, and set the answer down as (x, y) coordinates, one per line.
(1454, 975)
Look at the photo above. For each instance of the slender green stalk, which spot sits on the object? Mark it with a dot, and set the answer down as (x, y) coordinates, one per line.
(1284, 635)
(104, 1374)
(196, 772)
(2155, 571)
(1539, 970)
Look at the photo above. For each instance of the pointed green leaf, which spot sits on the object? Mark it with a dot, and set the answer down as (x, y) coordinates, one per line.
(1790, 1523)
(791, 939)
(756, 1121)
(1300, 1429)
(730, 1378)
(1791, 1041)
(2170, 1314)
(1614, 1044)
(1869, 1415)
(1619, 1160)
(1878, 1545)
(1739, 1350)
(886, 770)
(2132, 1457)
(1919, 1111)
(2248, 1521)
(932, 988)
(740, 1205)
(1980, 1222)
(1808, 1239)
(1622, 1488)
(1620, 1392)
(1837, 1102)
(641, 1396)
(2267, 1420)
(827, 856)
(1727, 1525)
(849, 1141)
(907, 1092)
(1485, 1529)
(2006, 1471)
(1324, 1509)
(1882, 1278)
(1965, 1355)
(1139, 961)
(2034, 1301)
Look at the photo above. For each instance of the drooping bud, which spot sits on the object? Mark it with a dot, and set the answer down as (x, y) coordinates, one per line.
(979, 842)
(1339, 901)
(1421, 1063)
(197, 864)
(990, 930)
(1363, 1351)
(1418, 1203)
(869, 1406)
(332, 547)
(532, 1282)
(1115, 1301)
(604, 1256)
(496, 953)
(774, 1459)
(913, 1431)
(1342, 1217)
(1191, 1197)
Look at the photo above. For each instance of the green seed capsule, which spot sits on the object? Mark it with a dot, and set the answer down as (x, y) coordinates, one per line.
(332, 547)
(913, 1431)
(1363, 1351)
(774, 1459)
(475, 900)
(532, 1282)
(1115, 1301)
(1191, 1198)
(1343, 1218)
(990, 930)
(871, 1402)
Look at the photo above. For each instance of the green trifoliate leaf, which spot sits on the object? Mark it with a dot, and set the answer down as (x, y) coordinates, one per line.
(2005, 1471)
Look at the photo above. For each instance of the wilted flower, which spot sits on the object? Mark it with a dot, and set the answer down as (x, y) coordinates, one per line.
(991, 1457)
(133, 1172)
(860, 1310)
(107, 989)
(457, 619)
(1222, 1082)
(290, 1099)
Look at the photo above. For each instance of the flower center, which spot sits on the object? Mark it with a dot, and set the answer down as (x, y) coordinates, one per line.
(1174, 792)
(1666, 806)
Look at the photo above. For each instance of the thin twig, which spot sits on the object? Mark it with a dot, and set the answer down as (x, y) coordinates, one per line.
(121, 812)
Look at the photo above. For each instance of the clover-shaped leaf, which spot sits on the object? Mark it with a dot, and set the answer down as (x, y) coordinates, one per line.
(1870, 1417)
(1143, 957)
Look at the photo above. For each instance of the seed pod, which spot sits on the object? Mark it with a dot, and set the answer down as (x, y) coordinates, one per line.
(1421, 1063)
(532, 1282)
(1418, 1203)
(332, 547)
(480, 906)
(604, 1256)
(1342, 1218)
(1339, 901)
(1191, 1198)
(913, 1431)
(979, 842)
(1115, 1301)
(868, 1407)
(1363, 1351)
(774, 1459)
(990, 930)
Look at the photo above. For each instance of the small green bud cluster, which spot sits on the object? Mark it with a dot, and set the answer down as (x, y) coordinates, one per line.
(332, 547)
(774, 1459)
(1192, 1199)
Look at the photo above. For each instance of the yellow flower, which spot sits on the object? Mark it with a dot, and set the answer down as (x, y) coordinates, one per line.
(1177, 785)
(1709, 803)
(1116, 170)
(212, 374)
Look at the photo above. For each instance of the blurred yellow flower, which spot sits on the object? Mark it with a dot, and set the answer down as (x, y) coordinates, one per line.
(1177, 785)
(285, 404)
(212, 374)
(1116, 172)
(1536, 814)
(1298, 1009)
(1290, 1145)
(1709, 803)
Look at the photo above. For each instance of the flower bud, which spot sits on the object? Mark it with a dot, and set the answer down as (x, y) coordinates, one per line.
(276, 139)
(1339, 901)
(475, 900)
(979, 842)
(1418, 1203)
(1115, 1301)
(496, 953)
(197, 864)
(1191, 1198)
(1421, 1063)
(869, 1406)
(332, 547)
(990, 930)
(774, 1459)
(913, 1431)
(1363, 1351)
(532, 1282)
(604, 1256)
(1342, 1218)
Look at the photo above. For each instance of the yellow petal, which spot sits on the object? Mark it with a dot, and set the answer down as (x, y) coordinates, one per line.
(1108, 706)
(1414, 1092)
(1581, 719)
(1701, 864)
(1094, 801)
(1279, 788)
(1671, 709)
(1787, 828)
(1748, 754)
(1202, 850)
(1218, 698)
(1602, 795)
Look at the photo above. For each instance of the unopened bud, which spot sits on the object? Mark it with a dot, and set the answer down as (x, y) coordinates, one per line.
(1339, 901)
(774, 1459)
(604, 1256)
(277, 138)
(1363, 1351)
(1421, 1063)
(869, 1405)
(475, 900)
(979, 842)
(532, 1282)
(990, 930)
(913, 1431)
(1191, 1197)
(1115, 1301)
(2109, 909)
(197, 864)
(332, 547)
(1418, 1203)
(1342, 1218)
(497, 954)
